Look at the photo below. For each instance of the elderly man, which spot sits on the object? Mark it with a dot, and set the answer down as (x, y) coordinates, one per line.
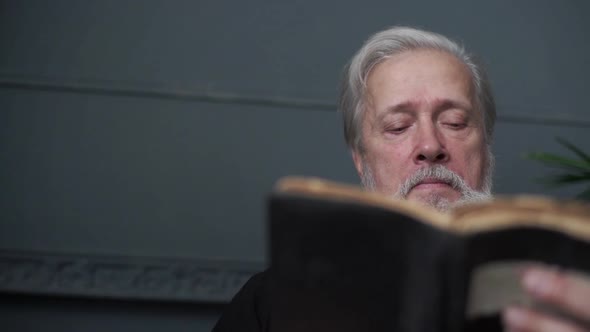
(419, 117)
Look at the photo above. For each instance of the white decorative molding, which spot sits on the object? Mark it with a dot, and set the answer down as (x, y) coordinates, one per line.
(123, 277)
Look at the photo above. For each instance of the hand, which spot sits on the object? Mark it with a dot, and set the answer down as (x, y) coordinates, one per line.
(566, 291)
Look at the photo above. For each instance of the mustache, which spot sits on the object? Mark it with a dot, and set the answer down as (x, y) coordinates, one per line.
(434, 172)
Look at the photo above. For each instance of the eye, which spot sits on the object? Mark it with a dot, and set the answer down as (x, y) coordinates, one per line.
(454, 119)
(396, 129)
(455, 125)
(397, 124)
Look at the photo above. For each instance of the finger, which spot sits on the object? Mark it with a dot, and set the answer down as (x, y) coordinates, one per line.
(524, 320)
(568, 291)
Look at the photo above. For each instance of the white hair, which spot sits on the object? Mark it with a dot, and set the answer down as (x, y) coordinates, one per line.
(388, 43)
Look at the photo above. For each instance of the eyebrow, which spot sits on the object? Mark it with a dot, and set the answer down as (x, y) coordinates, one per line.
(441, 105)
(445, 104)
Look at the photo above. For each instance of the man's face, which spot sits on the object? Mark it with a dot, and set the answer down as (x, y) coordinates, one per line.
(419, 112)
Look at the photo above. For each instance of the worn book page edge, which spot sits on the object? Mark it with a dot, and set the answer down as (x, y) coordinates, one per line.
(496, 285)
(328, 190)
(569, 217)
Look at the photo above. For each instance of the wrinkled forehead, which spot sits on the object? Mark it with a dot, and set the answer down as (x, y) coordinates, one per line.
(420, 76)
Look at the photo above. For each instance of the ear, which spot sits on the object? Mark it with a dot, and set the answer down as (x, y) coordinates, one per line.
(357, 158)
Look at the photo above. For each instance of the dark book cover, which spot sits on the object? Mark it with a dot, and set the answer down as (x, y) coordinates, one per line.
(346, 260)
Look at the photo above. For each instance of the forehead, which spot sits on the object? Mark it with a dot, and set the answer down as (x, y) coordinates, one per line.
(419, 75)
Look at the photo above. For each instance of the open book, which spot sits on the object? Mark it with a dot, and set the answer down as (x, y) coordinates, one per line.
(343, 259)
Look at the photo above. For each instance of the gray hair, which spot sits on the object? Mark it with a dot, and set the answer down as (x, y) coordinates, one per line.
(388, 43)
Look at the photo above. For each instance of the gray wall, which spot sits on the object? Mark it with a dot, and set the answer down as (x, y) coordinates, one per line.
(157, 128)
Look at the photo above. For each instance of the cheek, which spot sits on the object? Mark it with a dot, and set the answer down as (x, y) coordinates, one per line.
(473, 165)
(389, 156)
(389, 163)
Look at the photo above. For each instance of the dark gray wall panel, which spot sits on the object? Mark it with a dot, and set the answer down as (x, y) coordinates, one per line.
(168, 178)
(295, 49)
(33, 314)
(152, 177)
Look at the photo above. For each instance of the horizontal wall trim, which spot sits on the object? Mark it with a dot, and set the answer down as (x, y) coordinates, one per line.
(161, 93)
(123, 277)
(112, 89)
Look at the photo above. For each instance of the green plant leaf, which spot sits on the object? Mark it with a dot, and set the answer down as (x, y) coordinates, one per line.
(574, 149)
(576, 170)
(561, 162)
(563, 179)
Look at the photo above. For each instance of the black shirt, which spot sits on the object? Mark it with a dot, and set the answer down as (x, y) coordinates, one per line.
(249, 310)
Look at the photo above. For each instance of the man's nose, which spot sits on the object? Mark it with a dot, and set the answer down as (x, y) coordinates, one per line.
(430, 147)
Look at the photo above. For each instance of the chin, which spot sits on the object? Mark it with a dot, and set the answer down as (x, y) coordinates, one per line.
(447, 194)
(438, 202)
